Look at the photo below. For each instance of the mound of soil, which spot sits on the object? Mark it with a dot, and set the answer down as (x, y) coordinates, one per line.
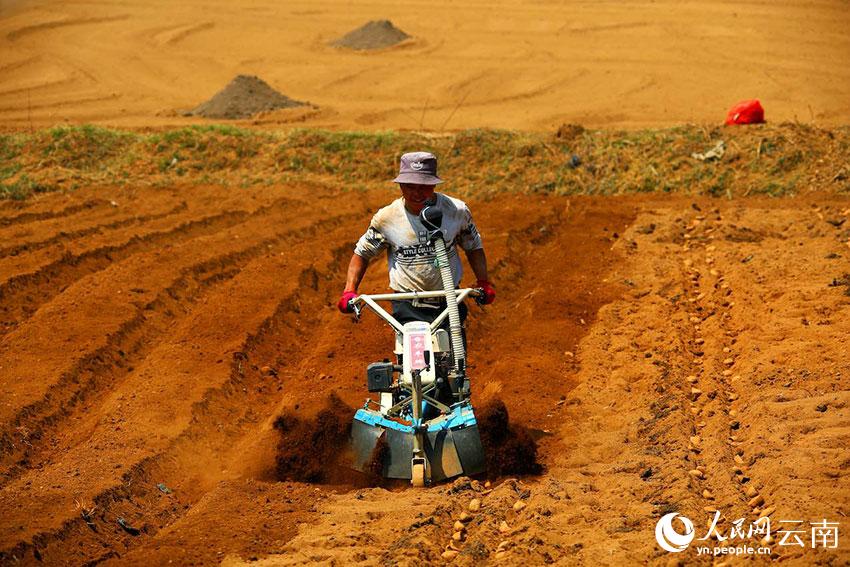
(509, 449)
(376, 34)
(243, 97)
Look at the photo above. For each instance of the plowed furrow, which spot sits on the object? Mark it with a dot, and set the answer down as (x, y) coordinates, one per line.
(205, 259)
(525, 263)
(525, 240)
(31, 437)
(97, 228)
(23, 294)
(216, 407)
(44, 215)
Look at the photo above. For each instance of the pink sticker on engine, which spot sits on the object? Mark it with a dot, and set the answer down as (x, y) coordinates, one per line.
(417, 350)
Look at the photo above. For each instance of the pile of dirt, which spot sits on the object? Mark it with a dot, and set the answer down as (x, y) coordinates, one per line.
(509, 449)
(376, 34)
(243, 97)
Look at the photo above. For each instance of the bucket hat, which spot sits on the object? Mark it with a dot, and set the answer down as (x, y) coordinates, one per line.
(418, 167)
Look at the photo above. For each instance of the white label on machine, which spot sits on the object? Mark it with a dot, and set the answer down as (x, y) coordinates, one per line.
(417, 341)
(417, 350)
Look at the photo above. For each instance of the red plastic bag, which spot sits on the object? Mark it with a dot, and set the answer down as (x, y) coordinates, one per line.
(746, 112)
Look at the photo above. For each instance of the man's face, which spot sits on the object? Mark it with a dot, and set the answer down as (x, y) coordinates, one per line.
(416, 195)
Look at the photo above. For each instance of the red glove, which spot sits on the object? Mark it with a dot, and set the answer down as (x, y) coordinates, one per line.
(489, 292)
(342, 304)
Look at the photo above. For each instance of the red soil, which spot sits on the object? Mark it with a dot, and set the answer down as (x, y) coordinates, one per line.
(156, 341)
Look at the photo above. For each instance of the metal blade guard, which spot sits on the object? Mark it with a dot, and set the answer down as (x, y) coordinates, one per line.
(452, 446)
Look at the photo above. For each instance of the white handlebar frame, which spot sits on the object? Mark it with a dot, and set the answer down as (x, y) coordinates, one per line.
(371, 301)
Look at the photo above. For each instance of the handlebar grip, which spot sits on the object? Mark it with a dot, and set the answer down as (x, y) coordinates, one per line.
(478, 295)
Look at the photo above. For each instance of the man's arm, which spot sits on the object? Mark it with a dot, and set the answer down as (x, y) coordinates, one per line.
(356, 270)
(478, 263)
(368, 246)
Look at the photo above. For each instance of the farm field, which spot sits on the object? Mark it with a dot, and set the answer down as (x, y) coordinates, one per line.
(181, 187)
(152, 338)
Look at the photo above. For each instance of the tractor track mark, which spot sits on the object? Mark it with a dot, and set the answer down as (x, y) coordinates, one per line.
(98, 229)
(22, 31)
(45, 215)
(103, 369)
(243, 395)
(23, 294)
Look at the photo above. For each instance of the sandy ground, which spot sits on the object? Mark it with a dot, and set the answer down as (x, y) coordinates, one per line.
(505, 64)
(152, 337)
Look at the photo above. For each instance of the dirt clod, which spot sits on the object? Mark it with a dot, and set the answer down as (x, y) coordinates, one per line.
(842, 281)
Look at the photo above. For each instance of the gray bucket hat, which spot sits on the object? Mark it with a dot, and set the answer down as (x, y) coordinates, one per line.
(418, 167)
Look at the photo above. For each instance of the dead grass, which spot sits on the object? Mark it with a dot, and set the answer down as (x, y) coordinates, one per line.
(778, 160)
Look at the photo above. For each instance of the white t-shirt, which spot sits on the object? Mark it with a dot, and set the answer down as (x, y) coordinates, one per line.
(409, 255)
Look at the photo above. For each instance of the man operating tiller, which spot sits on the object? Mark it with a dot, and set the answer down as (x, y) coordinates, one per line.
(424, 417)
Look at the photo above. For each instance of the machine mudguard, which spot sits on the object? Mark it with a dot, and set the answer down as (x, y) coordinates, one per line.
(452, 444)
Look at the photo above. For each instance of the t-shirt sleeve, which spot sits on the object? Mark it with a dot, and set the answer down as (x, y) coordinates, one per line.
(371, 243)
(469, 238)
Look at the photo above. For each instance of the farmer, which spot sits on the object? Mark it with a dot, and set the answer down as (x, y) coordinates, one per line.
(397, 229)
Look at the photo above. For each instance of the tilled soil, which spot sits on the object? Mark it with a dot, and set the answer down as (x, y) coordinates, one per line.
(666, 354)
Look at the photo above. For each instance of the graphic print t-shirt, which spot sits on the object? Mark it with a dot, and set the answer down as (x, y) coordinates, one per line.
(409, 255)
